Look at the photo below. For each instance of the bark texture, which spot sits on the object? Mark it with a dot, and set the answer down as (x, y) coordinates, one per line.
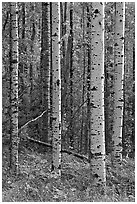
(56, 103)
(97, 146)
(118, 82)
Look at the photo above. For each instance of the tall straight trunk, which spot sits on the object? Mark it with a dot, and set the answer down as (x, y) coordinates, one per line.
(83, 88)
(22, 48)
(33, 32)
(63, 9)
(61, 19)
(124, 111)
(56, 102)
(64, 15)
(87, 134)
(23, 20)
(45, 69)
(23, 36)
(71, 76)
(51, 78)
(97, 146)
(107, 137)
(133, 103)
(14, 139)
(118, 82)
(108, 66)
(106, 102)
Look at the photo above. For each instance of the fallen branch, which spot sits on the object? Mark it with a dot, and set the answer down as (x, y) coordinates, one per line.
(75, 154)
(32, 120)
(62, 150)
(38, 141)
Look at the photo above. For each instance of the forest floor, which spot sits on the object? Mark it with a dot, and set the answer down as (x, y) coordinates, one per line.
(34, 183)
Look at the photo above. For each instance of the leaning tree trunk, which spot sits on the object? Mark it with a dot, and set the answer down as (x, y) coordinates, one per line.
(56, 103)
(14, 139)
(118, 82)
(97, 146)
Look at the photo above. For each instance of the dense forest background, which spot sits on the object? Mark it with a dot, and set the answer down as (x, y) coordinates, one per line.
(35, 80)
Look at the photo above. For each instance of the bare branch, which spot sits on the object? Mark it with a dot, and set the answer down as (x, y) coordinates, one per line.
(32, 120)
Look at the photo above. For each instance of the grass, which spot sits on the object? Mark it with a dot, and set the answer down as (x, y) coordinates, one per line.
(34, 183)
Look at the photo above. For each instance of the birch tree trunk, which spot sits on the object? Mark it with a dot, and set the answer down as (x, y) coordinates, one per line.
(97, 147)
(51, 78)
(118, 82)
(56, 103)
(14, 139)
(84, 66)
(88, 139)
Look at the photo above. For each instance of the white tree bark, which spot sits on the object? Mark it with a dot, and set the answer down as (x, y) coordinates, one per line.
(56, 85)
(97, 147)
(118, 82)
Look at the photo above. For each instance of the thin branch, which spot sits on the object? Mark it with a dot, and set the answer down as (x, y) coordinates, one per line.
(32, 120)
(75, 154)
(38, 141)
(79, 108)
